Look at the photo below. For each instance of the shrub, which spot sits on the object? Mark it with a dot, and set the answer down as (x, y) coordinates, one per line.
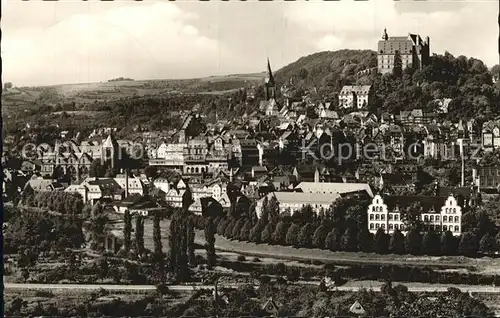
(241, 258)
(255, 260)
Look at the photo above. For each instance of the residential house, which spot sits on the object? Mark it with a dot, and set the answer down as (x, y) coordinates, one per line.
(354, 96)
(491, 135)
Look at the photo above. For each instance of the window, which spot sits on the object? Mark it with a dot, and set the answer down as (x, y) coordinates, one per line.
(377, 226)
(382, 217)
(454, 210)
(457, 229)
(371, 226)
(445, 218)
(390, 217)
(391, 226)
(396, 217)
(371, 217)
(437, 217)
(432, 218)
(445, 228)
(396, 226)
(402, 228)
(456, 219)
(377, 217)
(383, 225)
(426, 218)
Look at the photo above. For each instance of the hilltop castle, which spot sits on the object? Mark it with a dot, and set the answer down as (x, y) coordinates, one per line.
(412, 49)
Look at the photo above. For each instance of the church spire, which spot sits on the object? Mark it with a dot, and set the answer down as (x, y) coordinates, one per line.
(270, 77)
(269, 89)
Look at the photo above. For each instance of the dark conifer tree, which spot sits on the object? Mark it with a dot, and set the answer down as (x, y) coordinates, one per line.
(139, 234)
(127, 230)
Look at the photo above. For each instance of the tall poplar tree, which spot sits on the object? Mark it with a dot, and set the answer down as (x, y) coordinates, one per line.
(127, 230)
(139, 234)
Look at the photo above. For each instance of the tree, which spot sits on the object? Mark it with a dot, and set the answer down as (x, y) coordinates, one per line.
(332, 241)
(448, 243)
(411, 216)
(190, 241)
(488, 244)
(265, 210)
(349, 242)
(431, 243)
(381, 242)
(274, 210)
(255, 232)
(305, 236)
(139, 234)
(127, 230)
(98, 228)
(267, 233)
(292, 235)
(179, 241)
(397, 243)
(319, 237)
(413, 242)
(228, 232)
(238, 226)
(245, 231)
(279, 235)
(151, 172)
(96, 209)
(468, 245)
(221, 227)
(158, 249)
(103, 267)
(210, 243)
(365, 240)
(397, 70)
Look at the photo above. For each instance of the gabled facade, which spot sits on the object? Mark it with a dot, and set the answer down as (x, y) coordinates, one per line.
(439, 213)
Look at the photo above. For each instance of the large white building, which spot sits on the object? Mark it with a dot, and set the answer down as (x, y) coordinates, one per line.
(333, 187)
(440, 213)
(297, 200)
(354, 96)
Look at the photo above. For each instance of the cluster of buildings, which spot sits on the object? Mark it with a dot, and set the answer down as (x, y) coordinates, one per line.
(252, 158)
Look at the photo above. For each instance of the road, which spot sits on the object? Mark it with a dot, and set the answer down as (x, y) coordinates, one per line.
(149, 288)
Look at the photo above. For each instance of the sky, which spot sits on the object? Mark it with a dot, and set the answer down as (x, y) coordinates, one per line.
(59, 42)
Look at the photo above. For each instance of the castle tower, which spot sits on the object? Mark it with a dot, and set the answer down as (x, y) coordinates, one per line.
(270, 85)
(110, 151)
(385, 37)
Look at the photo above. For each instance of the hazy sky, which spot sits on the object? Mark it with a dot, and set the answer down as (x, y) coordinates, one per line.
(76, 41)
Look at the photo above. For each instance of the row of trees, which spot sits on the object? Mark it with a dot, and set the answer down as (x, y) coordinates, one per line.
(323, 237)
(343, 227)
(61, 202)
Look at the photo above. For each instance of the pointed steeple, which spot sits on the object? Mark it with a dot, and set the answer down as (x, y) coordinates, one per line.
(384, 35)
(270, 86)
(270, 77)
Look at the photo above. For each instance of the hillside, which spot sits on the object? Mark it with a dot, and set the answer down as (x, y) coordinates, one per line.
(329, 70)
(467, 81)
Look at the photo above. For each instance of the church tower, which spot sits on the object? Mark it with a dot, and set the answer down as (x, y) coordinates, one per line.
(270, 85)
(109, 152)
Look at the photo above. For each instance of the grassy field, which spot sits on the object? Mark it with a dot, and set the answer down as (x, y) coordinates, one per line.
(483, 265)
